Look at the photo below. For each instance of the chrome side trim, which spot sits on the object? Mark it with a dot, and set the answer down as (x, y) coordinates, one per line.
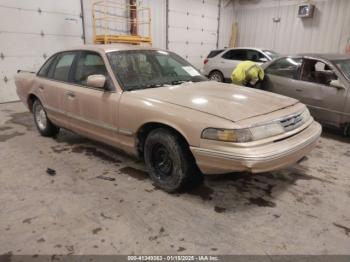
(126, 132)
(83, 119)
(93, 122)
(122, 131)
(54, 110)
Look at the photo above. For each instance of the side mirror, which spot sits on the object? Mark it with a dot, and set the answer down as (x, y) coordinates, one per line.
(263, 60)
(97, 81)
(336, 84)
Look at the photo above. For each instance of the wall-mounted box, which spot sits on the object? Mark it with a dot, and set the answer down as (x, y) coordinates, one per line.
(306, 10)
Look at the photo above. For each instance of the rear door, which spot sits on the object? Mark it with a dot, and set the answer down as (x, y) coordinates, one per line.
(326, 102)
(92, 111)
(282, 75)
(53, 84)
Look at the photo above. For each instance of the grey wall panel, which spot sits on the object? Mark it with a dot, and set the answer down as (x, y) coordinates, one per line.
(32, 30)
(327, 31)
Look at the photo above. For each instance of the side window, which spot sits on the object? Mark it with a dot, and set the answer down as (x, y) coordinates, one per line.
(89, 63)
(235, 55)
(44, 70)
(317, 72)
(62, 68)
(254, 56)
(285, 67)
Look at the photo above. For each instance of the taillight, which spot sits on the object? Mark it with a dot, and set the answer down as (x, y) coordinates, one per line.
(206, 61)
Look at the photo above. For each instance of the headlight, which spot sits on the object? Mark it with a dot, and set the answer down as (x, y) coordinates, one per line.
(227, 135)
(253, 133)
(243, 135)
(265, 131)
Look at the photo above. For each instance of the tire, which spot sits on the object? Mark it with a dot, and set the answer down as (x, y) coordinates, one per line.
(216, 76)
(43, 124)
(346, 130)
(169, 161)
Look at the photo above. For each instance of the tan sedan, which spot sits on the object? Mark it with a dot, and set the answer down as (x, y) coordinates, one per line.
(154, 105)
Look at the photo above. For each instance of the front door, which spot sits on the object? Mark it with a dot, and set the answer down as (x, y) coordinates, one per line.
(326, 102)
(281, 77)
(92, 111)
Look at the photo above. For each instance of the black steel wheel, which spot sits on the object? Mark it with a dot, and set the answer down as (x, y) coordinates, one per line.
(169, 161)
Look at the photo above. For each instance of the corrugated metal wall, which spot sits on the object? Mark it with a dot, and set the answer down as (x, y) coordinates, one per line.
(158, 9)
(327, 31)
(158, 15)
(32, 30)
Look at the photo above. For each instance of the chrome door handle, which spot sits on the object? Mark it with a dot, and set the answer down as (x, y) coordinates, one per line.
(70, 94)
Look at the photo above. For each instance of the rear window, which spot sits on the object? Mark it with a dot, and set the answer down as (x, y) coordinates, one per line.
(215, 53)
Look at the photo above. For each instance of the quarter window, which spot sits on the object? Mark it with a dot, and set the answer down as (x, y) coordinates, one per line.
(254, 56)
(285, 67)
(44, 70)
(63, 65)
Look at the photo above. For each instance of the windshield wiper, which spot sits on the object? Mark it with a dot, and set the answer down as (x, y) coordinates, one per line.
(179, 82)
(152, 85)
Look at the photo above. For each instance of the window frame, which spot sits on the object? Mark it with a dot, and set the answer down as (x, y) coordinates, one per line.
(258, 52)
(235, 50)
(317, 60)
(53, 57)
(73, 69)
(111, 87)
(54, 63)
(298, 75)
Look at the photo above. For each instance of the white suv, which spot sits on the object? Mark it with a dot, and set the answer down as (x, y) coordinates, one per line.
(220, 63)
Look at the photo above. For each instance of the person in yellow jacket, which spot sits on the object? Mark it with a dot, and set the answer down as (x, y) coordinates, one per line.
(248, 74)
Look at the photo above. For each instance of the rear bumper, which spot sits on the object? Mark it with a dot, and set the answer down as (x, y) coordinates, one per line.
(262, 158)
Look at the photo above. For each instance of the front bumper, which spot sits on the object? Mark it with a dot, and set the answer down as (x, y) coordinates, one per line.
(267, 157)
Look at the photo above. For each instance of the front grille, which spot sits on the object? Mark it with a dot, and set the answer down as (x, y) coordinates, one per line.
(291, 123)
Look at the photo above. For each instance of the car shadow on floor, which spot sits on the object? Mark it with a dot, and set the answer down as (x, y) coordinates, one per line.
(239, 191)
(336, 134)
(228, 192)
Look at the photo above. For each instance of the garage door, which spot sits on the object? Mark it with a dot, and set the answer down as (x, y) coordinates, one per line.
(193, 28)
(32, 30)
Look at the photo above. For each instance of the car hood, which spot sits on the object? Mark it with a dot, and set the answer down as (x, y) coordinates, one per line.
(227, 101)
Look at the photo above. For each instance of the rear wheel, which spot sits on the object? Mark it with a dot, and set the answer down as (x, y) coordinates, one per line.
(169, 162)
(216, 76)
(43, 124)
(346, 129)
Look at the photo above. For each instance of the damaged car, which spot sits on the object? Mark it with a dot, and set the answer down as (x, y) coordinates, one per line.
(154, 105)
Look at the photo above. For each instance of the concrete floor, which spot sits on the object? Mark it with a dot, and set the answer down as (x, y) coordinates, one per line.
(300, 210)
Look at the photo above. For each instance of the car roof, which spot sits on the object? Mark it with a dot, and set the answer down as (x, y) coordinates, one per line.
(243, 47)
(111, 47)
(325, 56)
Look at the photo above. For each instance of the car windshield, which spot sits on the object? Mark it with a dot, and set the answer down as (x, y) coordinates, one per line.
(142, 69)
(344, 66)
(272, 54)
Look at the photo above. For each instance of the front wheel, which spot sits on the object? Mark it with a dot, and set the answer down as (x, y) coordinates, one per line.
(43, 124)
(169, 162)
